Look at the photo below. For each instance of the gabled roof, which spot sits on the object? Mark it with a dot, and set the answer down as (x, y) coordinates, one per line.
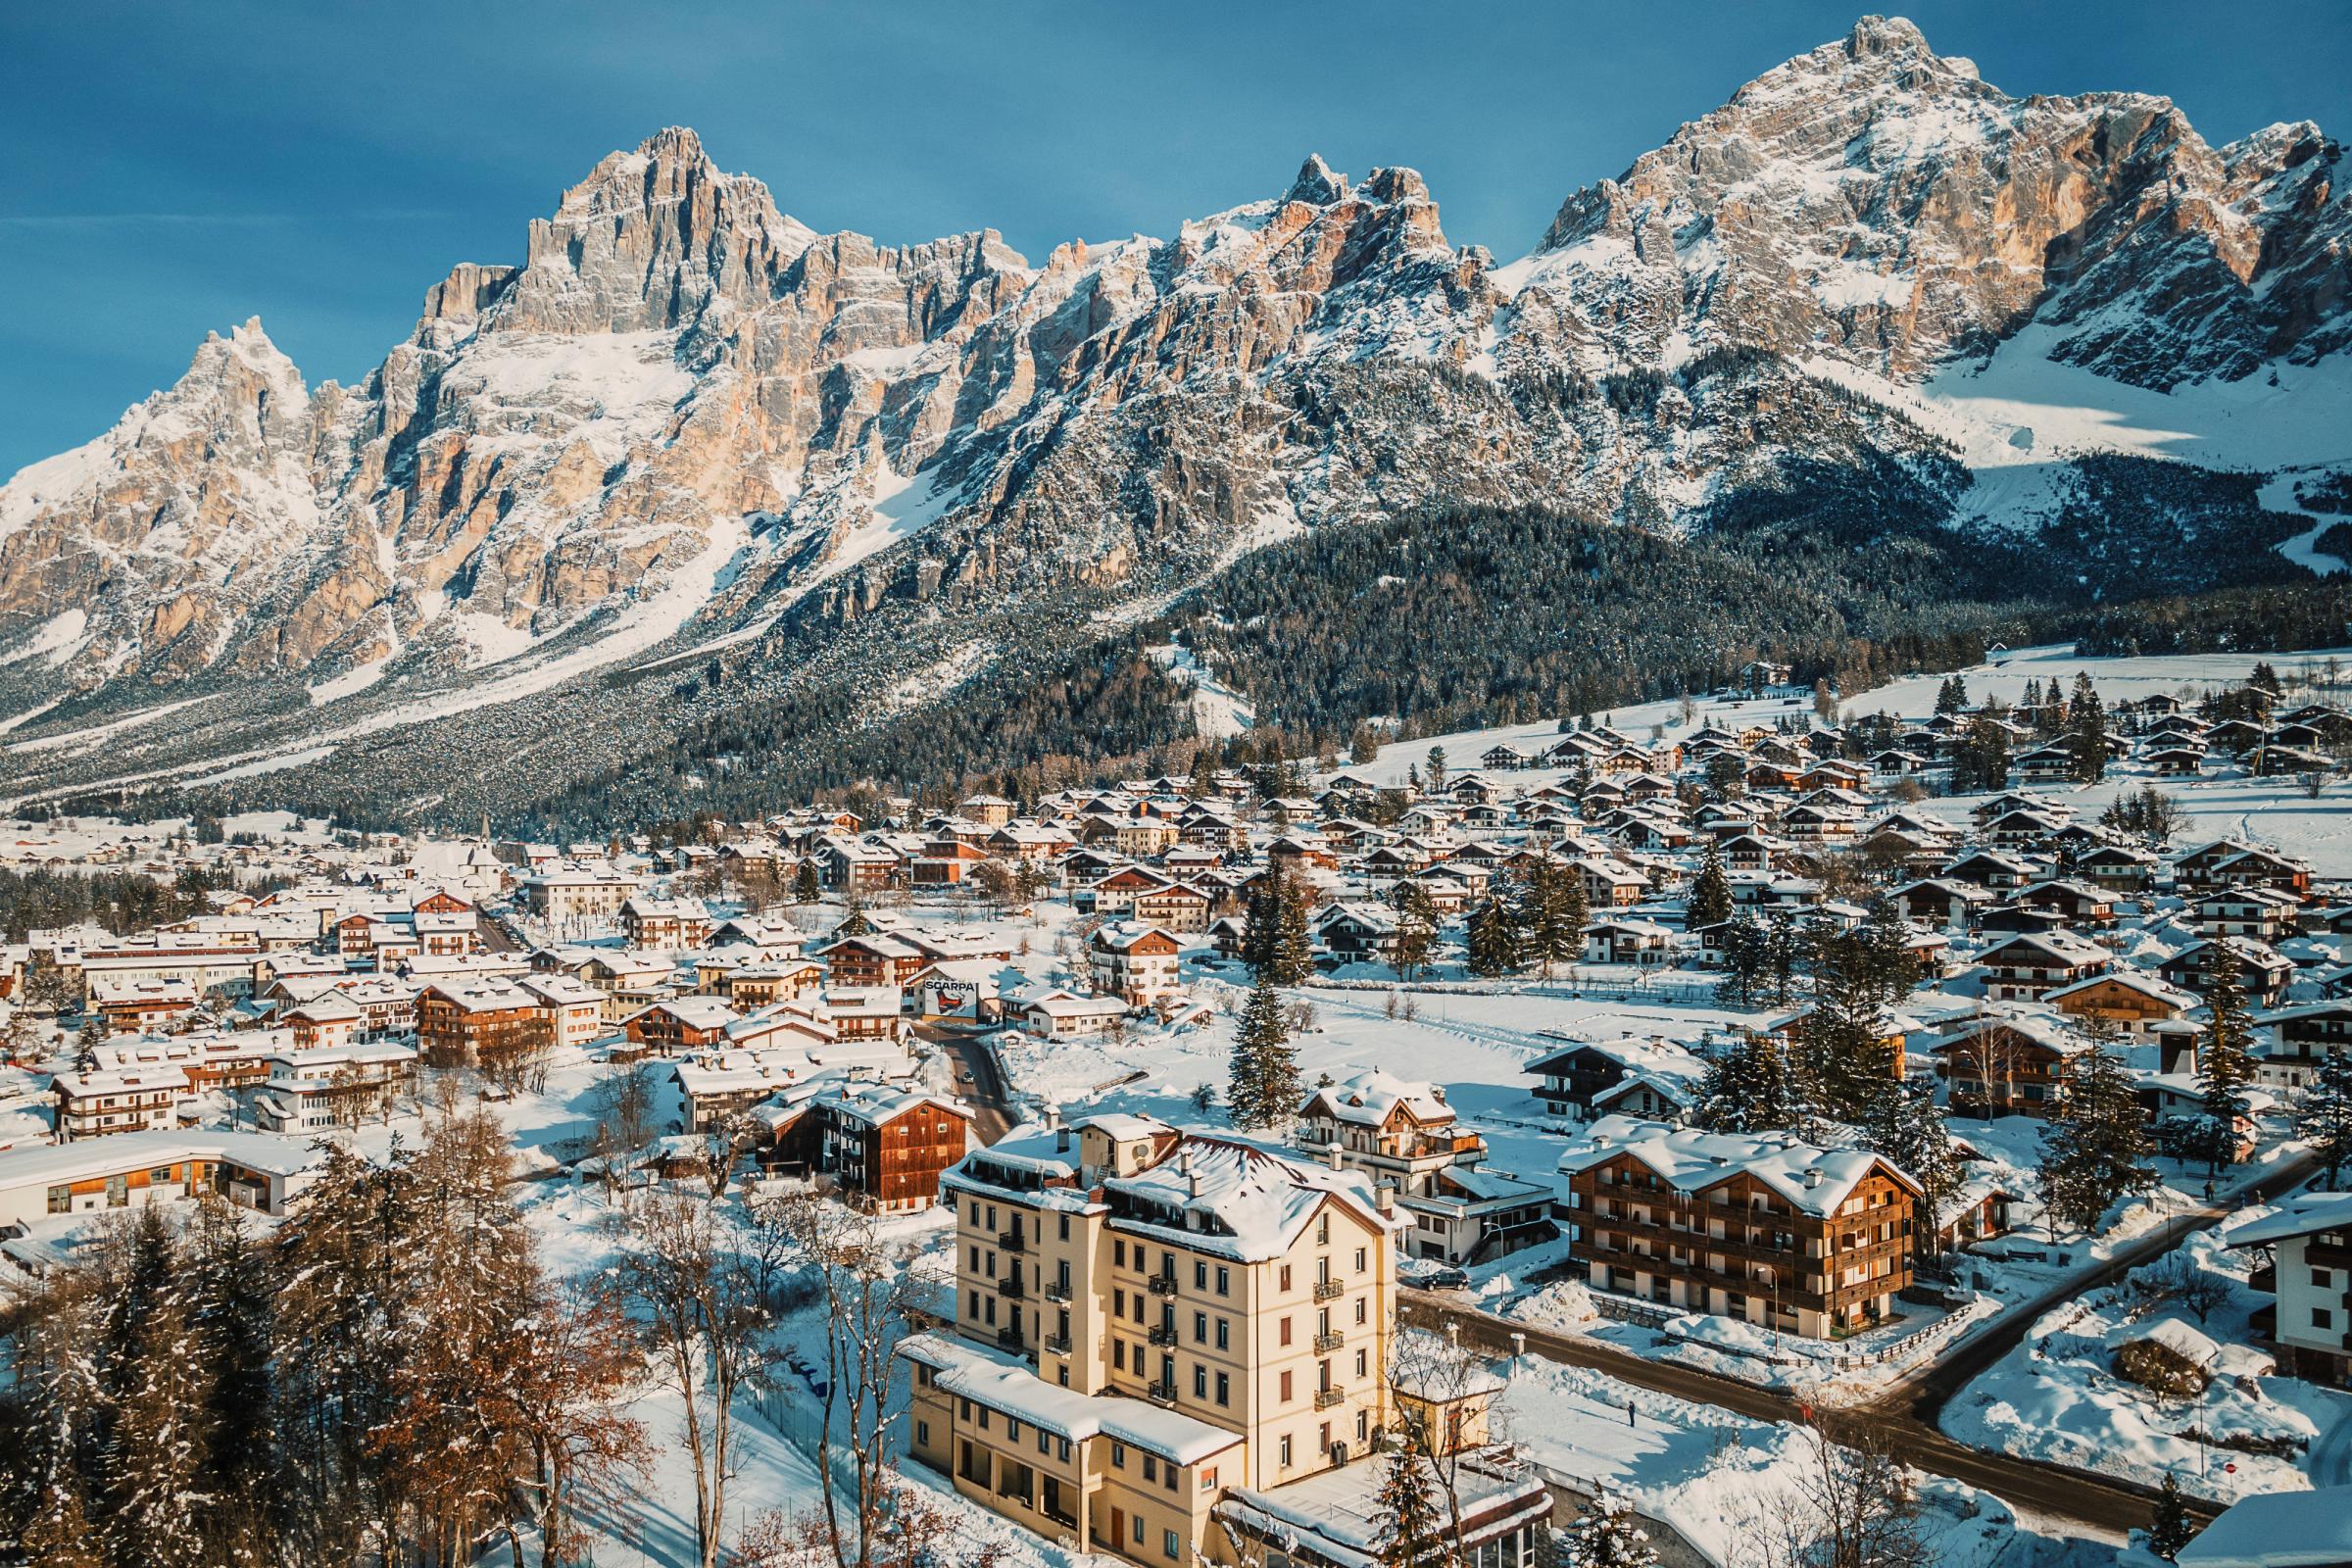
(1811, 1180)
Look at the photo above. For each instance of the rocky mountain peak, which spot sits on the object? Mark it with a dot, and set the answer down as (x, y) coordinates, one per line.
(649, 241)
(1316, 184)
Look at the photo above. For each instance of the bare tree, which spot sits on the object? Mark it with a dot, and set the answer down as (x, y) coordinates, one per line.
(700, 1317)
(566, 1394)
(1852, 1507)
(867, 1297)
(1437, 1390)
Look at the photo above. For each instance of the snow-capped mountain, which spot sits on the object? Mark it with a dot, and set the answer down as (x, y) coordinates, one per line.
(689, 434)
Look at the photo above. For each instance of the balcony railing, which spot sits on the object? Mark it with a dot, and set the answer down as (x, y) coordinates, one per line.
(1160, 1393)
(1059, 1294)
(1161, 1334)
(1010, 1286)
(1329, 1290)
(1058, 1343)
(1325, 1398)
(1009, 1335)
(1013, 1241)
(1161, 1284)
(1326, 1343)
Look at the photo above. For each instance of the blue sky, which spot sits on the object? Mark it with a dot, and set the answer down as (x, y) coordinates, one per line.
(174, 168)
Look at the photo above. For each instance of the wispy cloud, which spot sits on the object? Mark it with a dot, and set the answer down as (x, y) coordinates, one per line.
(107, 221)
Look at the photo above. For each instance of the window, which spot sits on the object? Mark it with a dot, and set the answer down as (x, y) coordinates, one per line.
(963, 1409)
(1224, 1280)
(1150, 1467)
(1200, 1328)
(1200, 1274)
(60, 1200)
(1168, 1545)
(1360, 1363)
(1013, 1429)
(2318, 1277)
(1118, 1353)
(1282, 1331)
(1284, 1396)
(922, 1433)
(1045, 1442)
(1323, 1230)
(1138, 1530)
(1359, 1261)
(1282, 1280)
(1118, 1456)
(1224, 1389)
(1282, 1449)
(1119, 1304)
(1065, 1227)
(1359, 1309)
(1209, 1479)
(2322, 1318)
(1061, 1450)
(1119, 1255)
(1224, 1334)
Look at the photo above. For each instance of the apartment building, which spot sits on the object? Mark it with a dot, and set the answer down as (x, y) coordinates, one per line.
(1155, 1332)
(1765, 1228)
(2310, 1235)
(1403, 1132)
(1134, 962)
(94, 1105)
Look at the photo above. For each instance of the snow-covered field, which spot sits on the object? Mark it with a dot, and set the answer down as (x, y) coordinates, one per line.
(2057, 1396)
(1715, 1476)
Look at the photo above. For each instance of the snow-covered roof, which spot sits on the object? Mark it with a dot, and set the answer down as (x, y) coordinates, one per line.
(1236, 1199)
(2278, 1529)
(2172, 1330)
(2304, 1214)
(1371, 1096)
(1006, 1383)
(1813, 1180)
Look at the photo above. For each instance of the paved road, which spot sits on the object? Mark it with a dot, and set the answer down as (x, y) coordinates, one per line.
(1904, 1415)
(975, 1081)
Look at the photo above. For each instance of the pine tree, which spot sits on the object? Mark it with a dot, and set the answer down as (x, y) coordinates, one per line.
(2324, 1116)
(2087, 732)
(1292, 958)
(151, 1456)
(1436, 770)
(1905, 1125)
(1947, 695)
(1751, 1089)
(1493, 939)
(1264, 1088)
(1416, 929)
(1746, 955)
(1711, 891)
(805, 886)
(1552, 913)
(1408, 1525)
(2224, 1057)
(2094, 1146)
(229, 1290)
(2172, 1528)
(1606, 1536)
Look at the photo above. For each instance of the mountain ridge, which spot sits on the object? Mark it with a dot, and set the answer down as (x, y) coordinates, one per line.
(688, 428)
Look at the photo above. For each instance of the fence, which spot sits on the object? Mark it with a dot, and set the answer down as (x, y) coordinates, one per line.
(1652, 1314)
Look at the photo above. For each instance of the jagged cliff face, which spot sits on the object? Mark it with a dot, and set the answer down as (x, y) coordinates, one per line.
(1878, 203)
(687, 419)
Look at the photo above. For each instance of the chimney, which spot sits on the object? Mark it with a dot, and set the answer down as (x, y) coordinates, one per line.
(1385, 1196)
(1191, 1184)
(1332, 1154)
(1812, 1177)
(1061, 1139)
